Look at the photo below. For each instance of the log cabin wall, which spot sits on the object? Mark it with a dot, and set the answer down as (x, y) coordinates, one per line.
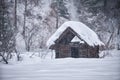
(85, 51)
(62, 51)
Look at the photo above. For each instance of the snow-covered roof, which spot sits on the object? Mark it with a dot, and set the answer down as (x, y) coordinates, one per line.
(76, 39)
(84, 32)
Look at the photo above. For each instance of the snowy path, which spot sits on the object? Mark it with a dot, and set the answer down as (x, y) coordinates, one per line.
(64, 69)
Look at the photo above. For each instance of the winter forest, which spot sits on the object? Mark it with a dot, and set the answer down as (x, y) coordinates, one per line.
(26, 26)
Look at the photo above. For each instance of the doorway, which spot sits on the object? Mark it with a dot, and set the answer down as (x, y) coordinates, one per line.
(74, 52)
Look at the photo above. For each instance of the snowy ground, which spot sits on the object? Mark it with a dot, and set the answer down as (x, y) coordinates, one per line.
(63, 69)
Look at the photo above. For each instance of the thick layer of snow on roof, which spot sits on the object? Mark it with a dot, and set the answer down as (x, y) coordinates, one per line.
(84, 32)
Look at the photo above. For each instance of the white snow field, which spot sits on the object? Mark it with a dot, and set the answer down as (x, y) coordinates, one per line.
(35, 68)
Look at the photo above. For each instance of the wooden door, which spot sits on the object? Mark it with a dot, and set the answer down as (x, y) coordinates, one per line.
(74, 52)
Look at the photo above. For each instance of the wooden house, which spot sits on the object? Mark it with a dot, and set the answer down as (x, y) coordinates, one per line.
(75, 39)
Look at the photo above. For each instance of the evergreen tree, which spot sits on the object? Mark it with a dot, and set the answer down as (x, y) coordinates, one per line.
(61, 8)
(6, 32)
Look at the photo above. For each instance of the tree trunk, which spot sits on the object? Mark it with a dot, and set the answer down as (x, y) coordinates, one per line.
(118, 38)
(4, 59)
(57, 20)
(15, 17)
(110, 38)
(57, 15)
(24, 25)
